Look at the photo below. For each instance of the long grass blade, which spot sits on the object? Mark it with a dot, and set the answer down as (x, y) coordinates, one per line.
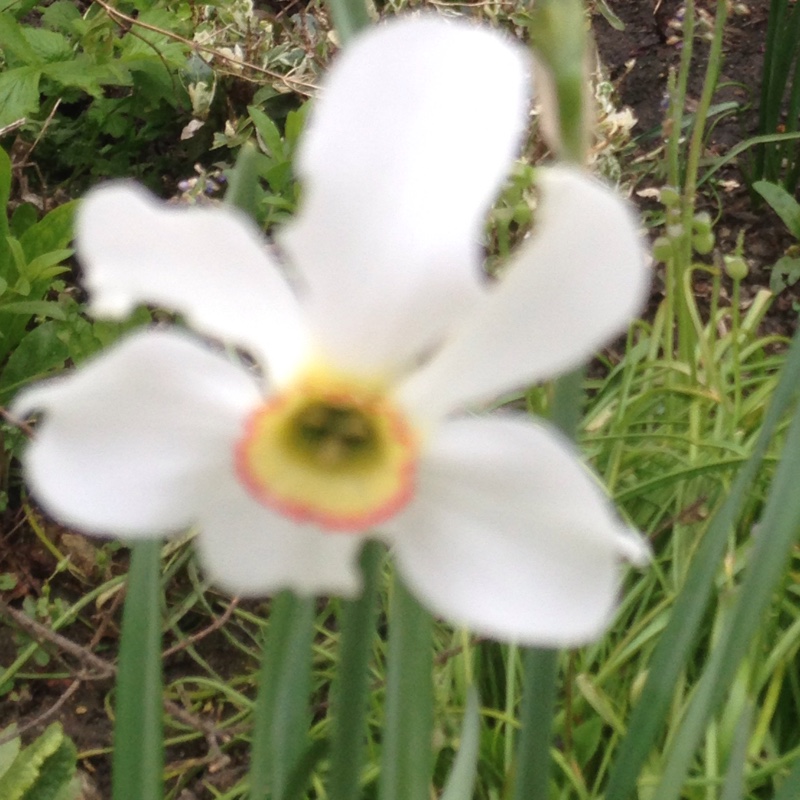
(766, 566)
(683, 628)
(461, 781)
(734, 786)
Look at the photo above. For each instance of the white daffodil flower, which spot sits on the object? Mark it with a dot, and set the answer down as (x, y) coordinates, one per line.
(355, 424)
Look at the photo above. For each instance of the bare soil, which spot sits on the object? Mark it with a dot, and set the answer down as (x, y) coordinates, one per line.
(639, 60)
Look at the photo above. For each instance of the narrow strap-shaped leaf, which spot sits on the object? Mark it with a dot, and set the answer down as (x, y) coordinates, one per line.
(351, 687)
(407, 756)
(690, 606)
(532, 779)
(138, 761)
(774, 542)
(280, 728)
(461, 781)
(300, 776)
(734, 787)
(540, 665)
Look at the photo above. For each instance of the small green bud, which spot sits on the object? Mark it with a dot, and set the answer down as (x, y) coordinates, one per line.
(662, 249)
(736, 267)
(702, 222)
(675, 232)
(522, 214)
(670, 196)
(703, 243)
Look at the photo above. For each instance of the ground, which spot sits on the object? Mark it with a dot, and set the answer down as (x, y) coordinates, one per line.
(638, 60)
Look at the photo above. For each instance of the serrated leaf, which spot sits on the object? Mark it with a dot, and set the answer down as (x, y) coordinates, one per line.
(82, 73)
(38, 353)
(14, 42)
(24, 771)
(782, 203)
(55, 774)
(48, 45)
(9, 750)
(19, 93)
(63, 15)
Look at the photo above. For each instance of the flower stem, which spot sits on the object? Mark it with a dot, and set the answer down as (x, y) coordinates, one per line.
(351, 688)
(406, 759)
(138, 760)
(540, 664)
(540, 670)
(282, 714)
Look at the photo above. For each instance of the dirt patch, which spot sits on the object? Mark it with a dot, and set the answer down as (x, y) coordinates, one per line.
(639, 60)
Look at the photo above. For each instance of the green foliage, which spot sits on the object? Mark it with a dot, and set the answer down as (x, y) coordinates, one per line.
(272, 162)
(782, 203)
(780, 96)
(41, 771)
(669, 421)
(112, 93)
(786, 270)
(32, 253)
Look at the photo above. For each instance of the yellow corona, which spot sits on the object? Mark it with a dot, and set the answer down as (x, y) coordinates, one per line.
(331, 450)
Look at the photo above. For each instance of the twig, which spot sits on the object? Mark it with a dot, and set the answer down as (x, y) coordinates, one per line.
(42, 131)
(40, 719)
(196, 637)
(43, 633)
(106, 669)
(17, 423)
(12, 126)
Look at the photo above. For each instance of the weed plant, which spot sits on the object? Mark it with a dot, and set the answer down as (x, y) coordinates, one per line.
(685, 420)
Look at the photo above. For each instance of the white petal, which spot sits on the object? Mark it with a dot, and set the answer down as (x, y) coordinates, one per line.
(130, 442)
(406, 149)
(576, 284)
(249, 550)
(210, 264)
(510, 536)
